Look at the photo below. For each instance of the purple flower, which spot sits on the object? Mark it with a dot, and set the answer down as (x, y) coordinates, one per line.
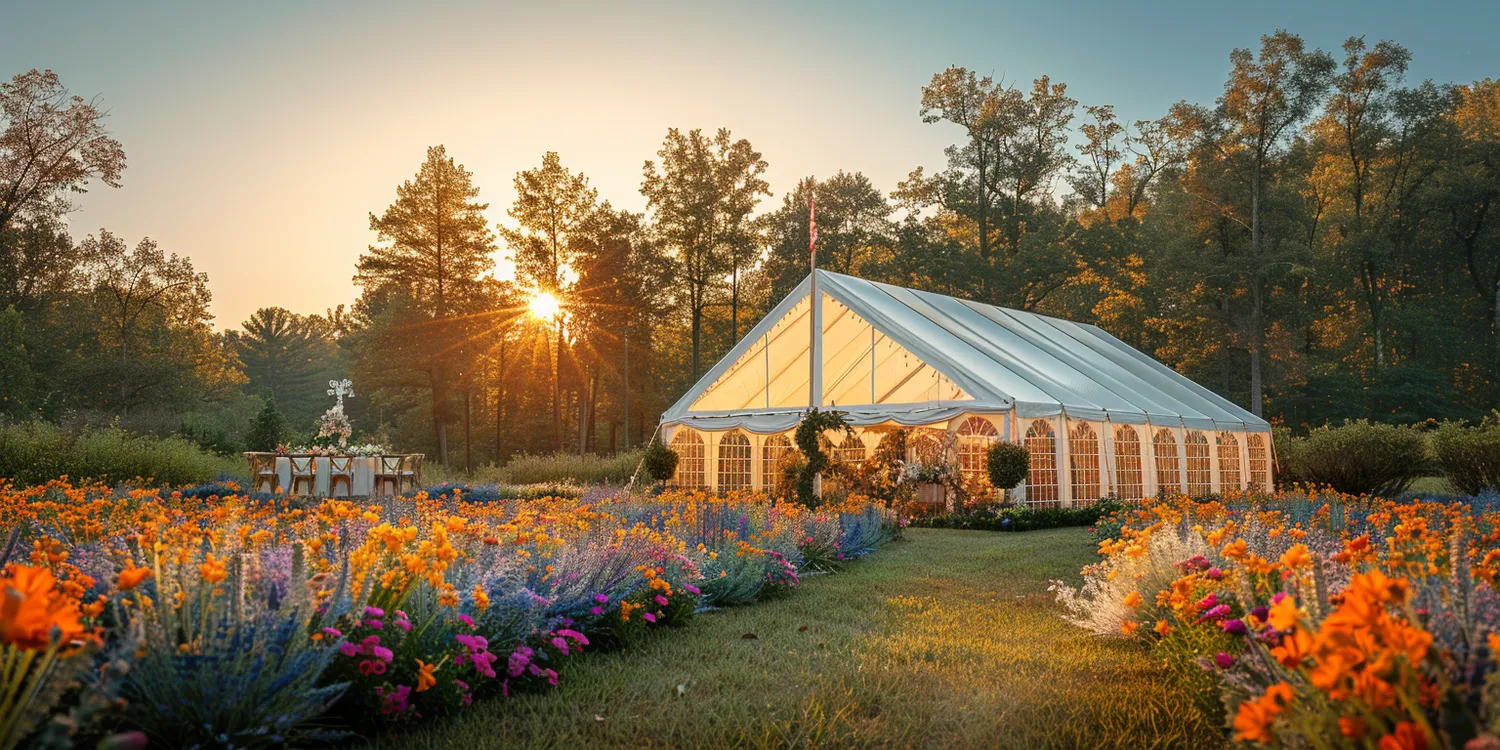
(691, 589)
(602, 599)
(1260, 613)
(649, 617)
(1223, 660)
(1218, 612)
(596, 610)
(374, 612)
(1234, 627)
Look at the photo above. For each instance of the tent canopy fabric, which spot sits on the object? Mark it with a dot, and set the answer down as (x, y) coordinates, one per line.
(896, 355)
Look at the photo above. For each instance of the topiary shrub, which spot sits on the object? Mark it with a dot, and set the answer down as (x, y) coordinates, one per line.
(1359, 457)
(660, 461)
(1469, 456)
(1007, 464)
(807, 437)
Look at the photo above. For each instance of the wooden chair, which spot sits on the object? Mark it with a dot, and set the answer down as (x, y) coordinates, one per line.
(340, 469)
(263, 472)
(304, 471)
(411, 471)
(388, 472)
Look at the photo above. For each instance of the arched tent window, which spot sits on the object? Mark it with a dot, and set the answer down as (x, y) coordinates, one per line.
(1200, 474)
(1168, 464)
(975, 436)
(1128, 463)
(771, 452)
(851, 452)
(734, 461)
(1041, 482)
(1083, 458)
(1255, 446)
(689, 447)
(1229, 461)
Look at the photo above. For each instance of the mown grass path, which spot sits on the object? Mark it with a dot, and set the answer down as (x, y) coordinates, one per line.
(946, 639)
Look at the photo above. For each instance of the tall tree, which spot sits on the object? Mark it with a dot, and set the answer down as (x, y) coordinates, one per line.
(855, 233)
(700, 199)
(1264, 98)
(438, 247)
(138, 292)
(287, 358)
(52, 143)
(552, 206)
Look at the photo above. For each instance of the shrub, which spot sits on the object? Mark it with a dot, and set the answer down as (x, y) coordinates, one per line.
(35, 452)
(268, 430)
(1007, 464)
(661, 461)
(1358, 457)
(1470, 457)
(1022, 518)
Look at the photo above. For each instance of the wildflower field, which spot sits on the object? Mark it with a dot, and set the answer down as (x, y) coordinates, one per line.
(246, 622)
(1315, 619)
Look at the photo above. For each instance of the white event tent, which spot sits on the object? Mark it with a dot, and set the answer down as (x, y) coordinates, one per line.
(1099, 417)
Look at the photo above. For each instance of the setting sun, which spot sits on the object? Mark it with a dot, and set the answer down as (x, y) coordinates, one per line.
(545, 306)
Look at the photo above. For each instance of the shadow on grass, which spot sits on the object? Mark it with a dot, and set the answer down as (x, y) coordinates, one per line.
(946, 639)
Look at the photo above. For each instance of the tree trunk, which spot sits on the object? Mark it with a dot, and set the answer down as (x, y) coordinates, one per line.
(439, 430)
(468, 434)
(1256, 303)
(557, 434)
(500, 408)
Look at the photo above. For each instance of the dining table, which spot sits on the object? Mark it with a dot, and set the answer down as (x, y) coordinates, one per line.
(361, 485)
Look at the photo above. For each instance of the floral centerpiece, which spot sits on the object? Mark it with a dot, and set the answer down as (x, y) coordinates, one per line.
(931, 480)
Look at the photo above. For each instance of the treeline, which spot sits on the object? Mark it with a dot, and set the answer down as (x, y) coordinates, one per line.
(1317, 244)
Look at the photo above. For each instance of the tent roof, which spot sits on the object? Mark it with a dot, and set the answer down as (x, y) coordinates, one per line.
(988, 358)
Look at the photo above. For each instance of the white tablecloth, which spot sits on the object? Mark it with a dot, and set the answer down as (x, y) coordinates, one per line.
(363, 484)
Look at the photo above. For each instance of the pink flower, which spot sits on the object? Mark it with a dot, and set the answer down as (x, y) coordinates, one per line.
(662, 600)
(467, 620)
(561, 644)
(596, 610)
(649, 617)
(348, 649)
(382, 653)
(1224, 660)
(374, 612)
(602, 599)
(578, 638)
(1208, 601)
(691, 589)
(333, 632)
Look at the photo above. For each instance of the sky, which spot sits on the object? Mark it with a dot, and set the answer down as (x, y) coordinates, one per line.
(260, 136)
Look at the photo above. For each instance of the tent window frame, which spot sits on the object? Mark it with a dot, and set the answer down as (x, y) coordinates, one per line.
(691, 459)
(1042, 481)
(1255, 449)
(1128, 467)
(734, 461)
(1083, 462)
(975, 436)
(1168, 462)
(1200, 471)
(1229, 461)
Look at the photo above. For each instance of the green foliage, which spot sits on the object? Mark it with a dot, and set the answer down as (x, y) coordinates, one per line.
(1007, 464)
(1357, 457)
(661, 461)
(809, 440)
(268, 430)
(16, 381)
(1022, 518)
(36, 452)
(1469, 456)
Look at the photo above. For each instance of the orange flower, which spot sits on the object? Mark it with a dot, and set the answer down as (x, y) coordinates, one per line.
(212, 570)
(1296, 556)
(425, 680)
(131, 577)
(1283, 614)
(1253, 721)
(1127, 627)
(1295, 647)
(1407, 736)
(31, 606)
(1132, 600)
(1352, 727)
(1235, 550)
(1162, 628)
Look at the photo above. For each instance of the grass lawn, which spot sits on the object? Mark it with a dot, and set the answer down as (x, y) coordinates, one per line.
(945, 639)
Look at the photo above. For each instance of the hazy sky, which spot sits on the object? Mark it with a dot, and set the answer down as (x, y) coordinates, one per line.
(260, 135)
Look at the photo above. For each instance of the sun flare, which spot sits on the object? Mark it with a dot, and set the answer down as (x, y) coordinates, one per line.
(545, 306)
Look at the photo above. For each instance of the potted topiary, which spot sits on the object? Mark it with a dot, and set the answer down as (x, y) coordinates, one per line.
(660, 461)
(1007, 465)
